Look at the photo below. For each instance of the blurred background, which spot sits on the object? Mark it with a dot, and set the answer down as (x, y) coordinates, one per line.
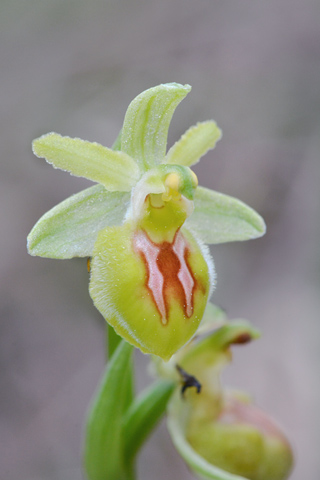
(73, 67)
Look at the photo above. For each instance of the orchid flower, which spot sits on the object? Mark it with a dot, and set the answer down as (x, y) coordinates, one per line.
(145, 224)
(220, 433)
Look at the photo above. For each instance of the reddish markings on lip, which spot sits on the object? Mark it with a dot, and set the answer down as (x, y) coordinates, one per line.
(186, 279)
(168, 272)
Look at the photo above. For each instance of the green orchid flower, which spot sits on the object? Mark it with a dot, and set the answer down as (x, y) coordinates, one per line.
(220, 433)
(145, 224)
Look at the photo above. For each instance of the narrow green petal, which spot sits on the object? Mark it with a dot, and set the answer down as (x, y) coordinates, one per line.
(193, 144)
(70, 229)
(218, 218)
(115, 170)
(176, 426)
(103, 452)
(146, 124)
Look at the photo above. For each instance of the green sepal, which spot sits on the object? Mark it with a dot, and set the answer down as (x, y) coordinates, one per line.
(103, 449)
(70, 228)
(176, 423)
(193, 144)
(113, 169)
(219, 218)
(146, 123)
(143, 415)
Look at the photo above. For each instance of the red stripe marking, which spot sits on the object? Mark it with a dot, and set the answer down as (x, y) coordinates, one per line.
(168, 272)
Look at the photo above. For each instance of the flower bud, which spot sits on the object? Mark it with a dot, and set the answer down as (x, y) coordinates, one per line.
(216, 431)
(242, 440)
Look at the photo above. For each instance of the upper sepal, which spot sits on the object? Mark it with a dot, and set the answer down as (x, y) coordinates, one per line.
(146, 123)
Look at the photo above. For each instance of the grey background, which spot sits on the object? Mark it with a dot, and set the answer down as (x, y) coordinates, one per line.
(73, 67)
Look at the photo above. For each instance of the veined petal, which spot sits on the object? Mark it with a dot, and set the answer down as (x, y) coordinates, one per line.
(113, 169)
(193, 144)
(146, 124)
(218, 218)
(70, 229)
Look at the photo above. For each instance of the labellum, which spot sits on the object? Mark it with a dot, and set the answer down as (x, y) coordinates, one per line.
(150, 277)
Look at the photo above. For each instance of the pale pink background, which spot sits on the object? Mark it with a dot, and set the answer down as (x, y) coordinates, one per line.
(73, 67)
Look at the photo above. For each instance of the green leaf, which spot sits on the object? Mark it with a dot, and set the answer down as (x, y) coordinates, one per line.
(70, 229)
(176, 426)
(143, 415)
(103, 453)
(193, 144)
(146, 123)
(218, 218)
(115, 170)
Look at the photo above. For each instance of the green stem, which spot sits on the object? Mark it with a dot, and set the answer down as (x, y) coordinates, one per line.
(103, 453)
(113, 340)
(130, 471)
(143, 416)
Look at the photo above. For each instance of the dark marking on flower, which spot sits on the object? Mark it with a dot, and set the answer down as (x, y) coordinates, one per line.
(188, 380)
(242, 338)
